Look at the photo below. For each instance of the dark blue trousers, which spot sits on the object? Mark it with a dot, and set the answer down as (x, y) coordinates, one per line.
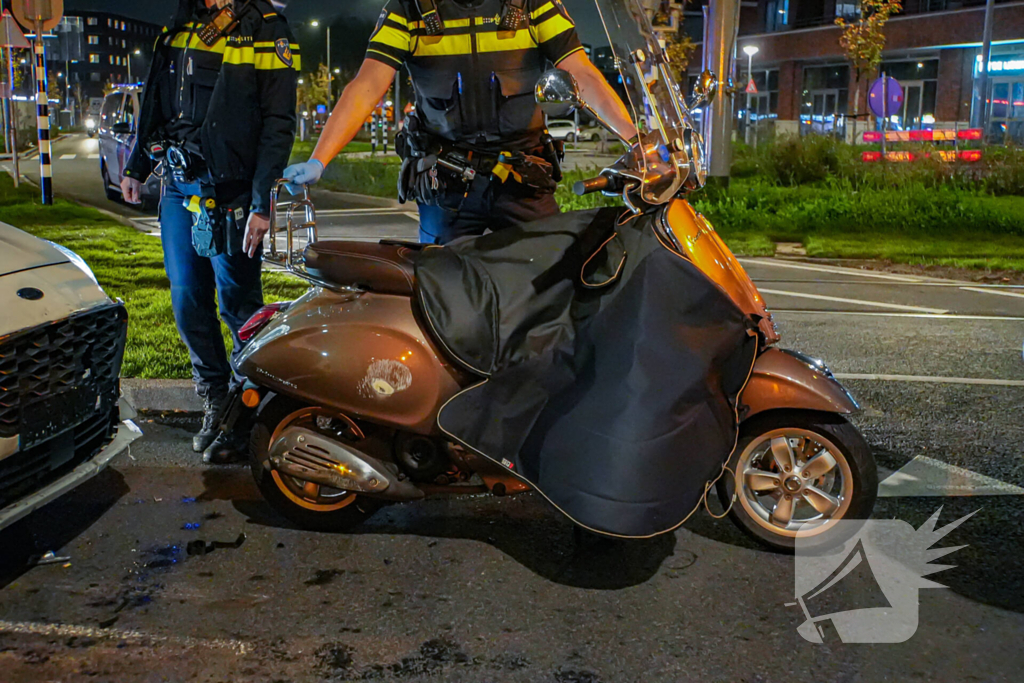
(198, 284)
(493, 207)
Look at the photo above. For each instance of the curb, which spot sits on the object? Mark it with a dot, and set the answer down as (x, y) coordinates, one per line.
(161, 394)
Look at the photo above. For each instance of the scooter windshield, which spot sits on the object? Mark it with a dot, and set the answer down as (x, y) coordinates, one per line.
(654, 99)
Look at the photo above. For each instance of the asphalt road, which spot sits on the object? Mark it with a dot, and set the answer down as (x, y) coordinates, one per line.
(497, 589)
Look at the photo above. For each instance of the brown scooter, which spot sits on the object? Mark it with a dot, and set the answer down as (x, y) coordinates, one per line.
(345, 385)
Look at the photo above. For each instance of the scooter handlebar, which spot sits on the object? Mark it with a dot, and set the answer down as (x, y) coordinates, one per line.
(598, 184)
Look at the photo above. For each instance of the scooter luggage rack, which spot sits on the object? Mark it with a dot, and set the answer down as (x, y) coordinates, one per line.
(292, 259)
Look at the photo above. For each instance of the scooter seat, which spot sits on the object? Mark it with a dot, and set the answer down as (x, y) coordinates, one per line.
(375, 267)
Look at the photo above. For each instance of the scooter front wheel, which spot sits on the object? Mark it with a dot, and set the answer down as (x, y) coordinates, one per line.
(309, 505)
(796, 474)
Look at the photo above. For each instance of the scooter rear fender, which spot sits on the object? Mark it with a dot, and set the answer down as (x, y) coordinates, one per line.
(790, 379)
(362, 354)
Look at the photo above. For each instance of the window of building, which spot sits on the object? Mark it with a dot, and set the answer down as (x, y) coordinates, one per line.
(94, 59)
(776, 15)
(123, 25)
(825, 96)
(919, 79)
(110, 22)
(124, 43)
(94, 40)
(92, 21)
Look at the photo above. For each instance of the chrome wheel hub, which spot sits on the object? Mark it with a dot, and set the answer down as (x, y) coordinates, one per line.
(793, 481)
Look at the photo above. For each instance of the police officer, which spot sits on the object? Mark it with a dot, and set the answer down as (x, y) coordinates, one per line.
(475, 152)
(218, 121)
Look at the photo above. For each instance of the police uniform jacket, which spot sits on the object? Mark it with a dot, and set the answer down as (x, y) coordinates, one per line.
(474, 83)
(242, 89)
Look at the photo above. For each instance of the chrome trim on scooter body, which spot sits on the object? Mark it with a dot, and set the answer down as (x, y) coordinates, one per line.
(790, 379)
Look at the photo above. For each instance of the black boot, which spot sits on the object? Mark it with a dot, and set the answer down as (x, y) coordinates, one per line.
(228, 448)
(213, 405)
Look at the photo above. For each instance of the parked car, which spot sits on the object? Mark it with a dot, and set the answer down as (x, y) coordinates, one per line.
(592, 133)
(560, 129)
(118, 116)
(61, 343)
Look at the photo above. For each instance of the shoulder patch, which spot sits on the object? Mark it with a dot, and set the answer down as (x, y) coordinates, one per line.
(380, 19)
(284, 51)
(561, 9)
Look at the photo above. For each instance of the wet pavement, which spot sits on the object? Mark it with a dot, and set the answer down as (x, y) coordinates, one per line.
(179, 572)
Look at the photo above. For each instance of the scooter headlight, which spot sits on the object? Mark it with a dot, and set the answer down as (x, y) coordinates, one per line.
(90, 123)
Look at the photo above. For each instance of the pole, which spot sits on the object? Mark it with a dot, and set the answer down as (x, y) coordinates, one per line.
(43, 119)
(750, 77)
(719, 49)
(330, 74)
(981, 109)
(13, 118)
(885, 110)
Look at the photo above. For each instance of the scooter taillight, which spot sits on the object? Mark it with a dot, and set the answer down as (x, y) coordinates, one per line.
(260, 318)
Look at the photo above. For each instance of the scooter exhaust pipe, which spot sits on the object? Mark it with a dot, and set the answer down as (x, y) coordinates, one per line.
(310, 456)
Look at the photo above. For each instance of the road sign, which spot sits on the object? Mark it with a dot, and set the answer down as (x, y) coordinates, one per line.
(885, 99)
(29, 13)
(751, 88)
(10, 32)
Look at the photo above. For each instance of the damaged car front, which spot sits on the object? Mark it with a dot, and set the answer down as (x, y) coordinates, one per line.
(62, 340)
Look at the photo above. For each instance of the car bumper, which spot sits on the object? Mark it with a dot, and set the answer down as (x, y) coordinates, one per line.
(127, 432)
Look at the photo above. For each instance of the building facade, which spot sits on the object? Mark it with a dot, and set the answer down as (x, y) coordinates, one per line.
(115, 49)
(805, 84)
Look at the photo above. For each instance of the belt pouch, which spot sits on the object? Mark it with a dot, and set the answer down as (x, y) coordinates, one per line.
(208, 225)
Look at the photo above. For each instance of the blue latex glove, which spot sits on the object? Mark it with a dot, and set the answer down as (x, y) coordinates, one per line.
(306, 173)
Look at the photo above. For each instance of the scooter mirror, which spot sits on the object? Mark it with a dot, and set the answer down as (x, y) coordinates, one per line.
(704, 89)
(557, 93)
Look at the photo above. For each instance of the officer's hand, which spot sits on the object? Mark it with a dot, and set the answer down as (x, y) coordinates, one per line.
(130, 190)
(255, 228)
(305, 173)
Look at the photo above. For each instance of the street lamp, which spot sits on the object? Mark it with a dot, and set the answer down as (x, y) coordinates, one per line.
(749, 51)
(315, 23)
(129, 60)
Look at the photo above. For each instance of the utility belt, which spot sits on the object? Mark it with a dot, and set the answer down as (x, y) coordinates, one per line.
(177, 161)
(216, 229)
(433, 168)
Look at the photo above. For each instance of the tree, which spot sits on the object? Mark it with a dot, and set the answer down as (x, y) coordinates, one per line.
(679, 49)
(314, 89)
(863, 41)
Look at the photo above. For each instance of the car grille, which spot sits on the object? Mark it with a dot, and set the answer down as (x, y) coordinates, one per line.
(32, 469)
(58, 393)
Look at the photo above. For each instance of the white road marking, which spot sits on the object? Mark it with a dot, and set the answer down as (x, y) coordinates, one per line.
(69, 630)
(68, 156)
(94, 156)
(858, 302)
(876, 314)
(932, 379)
(413, 215)
(924, 476)
(993, 291)
(838, 270)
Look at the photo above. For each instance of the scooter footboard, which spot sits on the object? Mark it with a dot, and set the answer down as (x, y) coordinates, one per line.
(790, 379)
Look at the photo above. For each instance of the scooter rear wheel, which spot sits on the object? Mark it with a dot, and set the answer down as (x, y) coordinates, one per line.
(795, 474)
(307, 505)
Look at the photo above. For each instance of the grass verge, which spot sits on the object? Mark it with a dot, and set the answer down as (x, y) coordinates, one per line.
(129, 266)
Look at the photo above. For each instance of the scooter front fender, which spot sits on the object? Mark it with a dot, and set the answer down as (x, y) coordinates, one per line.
(790, 379)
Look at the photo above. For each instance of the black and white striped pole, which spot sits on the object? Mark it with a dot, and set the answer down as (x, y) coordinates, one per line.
(43, 119)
